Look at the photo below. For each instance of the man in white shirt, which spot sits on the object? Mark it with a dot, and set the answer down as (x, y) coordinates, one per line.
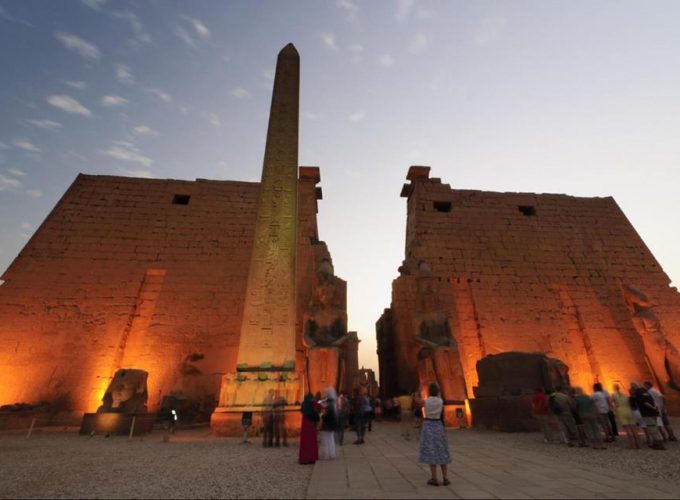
(666, 429)
(601, 400)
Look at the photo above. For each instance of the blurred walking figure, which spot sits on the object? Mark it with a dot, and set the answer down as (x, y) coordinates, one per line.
(585, 407)
(561, 406)
(434, 447)
(539, 405)
(601, 399)
(343, 411)
(660, 402)
(329, 425)
(360, 405)
(279, 420)
(406, 413)
(268, 419)
(624, 414)
(644, 402)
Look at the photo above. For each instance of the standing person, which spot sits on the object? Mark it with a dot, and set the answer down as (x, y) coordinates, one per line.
(418, 404)
(387, 406)
(309, 450)
(343, 410)
(279, 420)
(369, 411)
(660, 402)
(539, 406)
(585, 407)
(434, 447)
(268, 419)
(624, 414)
(561, 406)
(329, 424)
(644, 402)
(358, 416)
(601, 399)
(406, 413)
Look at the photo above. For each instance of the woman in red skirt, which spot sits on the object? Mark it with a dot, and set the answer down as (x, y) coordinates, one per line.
(309, 449)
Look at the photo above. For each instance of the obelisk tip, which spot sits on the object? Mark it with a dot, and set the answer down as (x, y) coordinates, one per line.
(289, 50)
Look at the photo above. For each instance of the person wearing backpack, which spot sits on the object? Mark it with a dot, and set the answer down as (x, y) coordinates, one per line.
(561, 406)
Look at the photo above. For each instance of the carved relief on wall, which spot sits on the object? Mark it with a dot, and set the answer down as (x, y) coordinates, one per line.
(663, 356)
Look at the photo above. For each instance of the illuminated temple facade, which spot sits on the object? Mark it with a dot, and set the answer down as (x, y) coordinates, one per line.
(488, 272)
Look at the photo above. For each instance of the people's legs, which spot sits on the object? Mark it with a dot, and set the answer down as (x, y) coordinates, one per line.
(667, 425)
(603, 418)
(433, 471)
(340, 432)
(612, 424)
(359, 424)
(445, 471)
(406, 423)
(569, 427)
(277, 431)
(593, 433)
(655, 436)
(631, 433)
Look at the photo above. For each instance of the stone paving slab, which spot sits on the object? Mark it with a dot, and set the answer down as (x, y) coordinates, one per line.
(387, 467)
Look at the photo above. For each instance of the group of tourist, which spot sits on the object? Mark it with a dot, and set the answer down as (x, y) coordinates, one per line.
(570, 416)
(324, 421)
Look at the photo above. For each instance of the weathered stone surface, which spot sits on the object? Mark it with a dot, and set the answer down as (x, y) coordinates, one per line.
(127, 393)
(525, 272)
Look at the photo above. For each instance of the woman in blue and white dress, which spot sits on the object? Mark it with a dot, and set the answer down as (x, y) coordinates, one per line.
(434, 448)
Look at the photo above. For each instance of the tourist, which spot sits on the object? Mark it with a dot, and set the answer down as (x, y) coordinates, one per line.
(601, 399)
(377, 409)
(587, 413)
(580, 428)
(309, 452)
(539, 406)
(268, 419)
(406, 413)
(659, 401)
(279, 420)
(329, 425)
(418, 403)
(561, 406)
(644, 403)
(434, 447)
(388, 408)
(343, 411)
(369, 411)
(358, 416)
(625, 416)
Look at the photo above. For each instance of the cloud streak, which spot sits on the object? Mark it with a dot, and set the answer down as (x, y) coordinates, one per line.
(111, 101)
(124, 74)
(48, 124)
(26, 145)
(68, 104)
(81, 47)
(128, 152)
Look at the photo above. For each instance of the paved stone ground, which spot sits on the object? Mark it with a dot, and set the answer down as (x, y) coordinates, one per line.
(483, 467)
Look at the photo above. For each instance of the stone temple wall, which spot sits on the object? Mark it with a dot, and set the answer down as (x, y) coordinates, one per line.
(125, 273)
(525, 272)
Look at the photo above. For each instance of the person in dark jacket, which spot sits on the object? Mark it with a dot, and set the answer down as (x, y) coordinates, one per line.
(642, 401)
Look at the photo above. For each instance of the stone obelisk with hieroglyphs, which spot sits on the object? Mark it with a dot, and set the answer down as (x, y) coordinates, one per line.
(268, 328)
(266, 356)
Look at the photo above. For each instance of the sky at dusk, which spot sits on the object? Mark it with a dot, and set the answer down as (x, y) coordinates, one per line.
(577, 97)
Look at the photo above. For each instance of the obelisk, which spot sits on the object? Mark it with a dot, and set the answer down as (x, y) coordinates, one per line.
(268, 328)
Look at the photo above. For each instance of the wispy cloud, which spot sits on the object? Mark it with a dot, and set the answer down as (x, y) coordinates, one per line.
(8, 17)
(161, 94)
(144, 130)
(489, 30)
(357, 53)
(9, 184)
(34, 193)
(214, 120)
(126, 151)
(140, 34)
(350, 8)
(80, 85)
(15, 172)
(26, 145)
(81, 47)
(68, 104)
(357, 117)
(328, 40)
(113, 100)
(386, 60)
(48, 124)
(93, 4)
(418, 43)
(191, 30)
(404, 8)
(124, 74)
(308, 115)
(240, 93)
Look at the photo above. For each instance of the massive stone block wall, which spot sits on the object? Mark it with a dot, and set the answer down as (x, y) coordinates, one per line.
(120, 276)
(525, 272)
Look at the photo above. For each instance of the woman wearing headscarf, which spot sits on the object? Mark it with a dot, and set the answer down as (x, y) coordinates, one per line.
(309, 449)
(434, 448)
(329, 424)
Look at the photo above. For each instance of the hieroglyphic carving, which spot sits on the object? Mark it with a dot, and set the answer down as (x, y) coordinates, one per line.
(268, 328)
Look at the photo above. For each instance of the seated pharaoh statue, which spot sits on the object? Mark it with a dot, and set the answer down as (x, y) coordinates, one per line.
(438, 359)
(325, 319)
(127, 393)
(663, 356)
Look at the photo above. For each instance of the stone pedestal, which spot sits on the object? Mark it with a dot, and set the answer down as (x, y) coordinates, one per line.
(504, 413)
(226, 422)
(323, 368)
(117, 423)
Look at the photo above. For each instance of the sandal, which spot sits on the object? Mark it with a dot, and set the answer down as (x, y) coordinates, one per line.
(433, 482)
(446, 482)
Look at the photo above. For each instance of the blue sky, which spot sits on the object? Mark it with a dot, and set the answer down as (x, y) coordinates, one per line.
(575, 97)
